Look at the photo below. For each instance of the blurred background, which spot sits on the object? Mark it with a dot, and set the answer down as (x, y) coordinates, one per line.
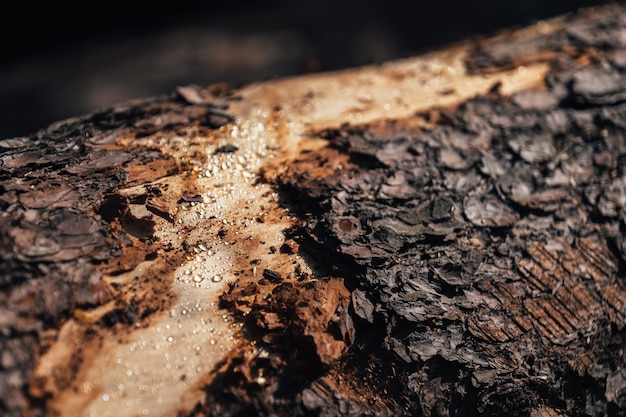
(65, 59)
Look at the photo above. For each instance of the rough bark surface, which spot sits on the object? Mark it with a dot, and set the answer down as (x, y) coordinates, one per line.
(465, 261)
(484, 254)
(63, 224)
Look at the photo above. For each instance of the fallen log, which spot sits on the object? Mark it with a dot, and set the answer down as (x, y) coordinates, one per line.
(437, 236)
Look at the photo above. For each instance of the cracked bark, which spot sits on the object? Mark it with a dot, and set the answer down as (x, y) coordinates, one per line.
(469, 259)
(64, 224)
(484, 254)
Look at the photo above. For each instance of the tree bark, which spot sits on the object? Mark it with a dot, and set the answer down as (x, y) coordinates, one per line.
(450, 237)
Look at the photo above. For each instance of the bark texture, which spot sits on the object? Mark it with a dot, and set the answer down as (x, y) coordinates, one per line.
(63, 224)
(484, 254)
(467, 260)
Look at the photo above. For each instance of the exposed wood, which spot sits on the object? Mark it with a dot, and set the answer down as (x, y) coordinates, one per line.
(440, 236)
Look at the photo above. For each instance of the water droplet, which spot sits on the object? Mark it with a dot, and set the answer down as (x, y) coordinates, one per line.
(197, 278)
(105, 397)
(216, 278)
(170, 339)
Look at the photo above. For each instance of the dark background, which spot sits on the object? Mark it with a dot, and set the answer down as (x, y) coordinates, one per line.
(64, 59)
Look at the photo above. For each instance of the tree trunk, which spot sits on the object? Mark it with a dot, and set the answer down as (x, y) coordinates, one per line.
(440, 236)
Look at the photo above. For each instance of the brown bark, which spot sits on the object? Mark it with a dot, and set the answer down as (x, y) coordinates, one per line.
(64, 224)
(484, 253)
(464, 258)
